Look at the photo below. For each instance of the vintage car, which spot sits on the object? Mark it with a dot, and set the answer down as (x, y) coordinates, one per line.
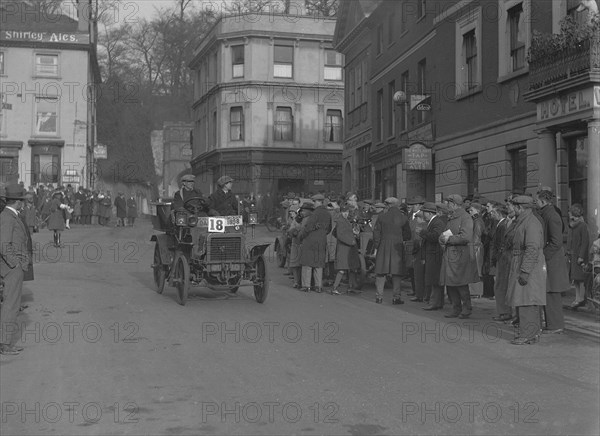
(203, 251)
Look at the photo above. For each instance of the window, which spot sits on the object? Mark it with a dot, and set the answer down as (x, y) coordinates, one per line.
(46, 115)
(391, 112)
(283, 61)
(517, 36)
(578, 170)
(46, 168)
(284, 124)
(1, 63)
(237, 61)
(470, 49)
(46, 65)
(333, 126)
(403, 108)
(236, 124)
(421, 8)
(379, 39)
(422, 87)
(391, 25)
(380, 115)
(471, 167)
(518, 163)
(333, 65)
(352, 90)
(358, 85)
(364, 172)
(468, 52)
(213, 136)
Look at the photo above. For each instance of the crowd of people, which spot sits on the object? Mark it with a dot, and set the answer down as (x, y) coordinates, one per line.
(511, 252)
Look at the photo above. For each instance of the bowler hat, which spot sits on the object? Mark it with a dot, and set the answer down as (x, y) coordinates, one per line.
(14, 192)
(188, 178)
(455, 198)
(416, 200)
(429, 207)
(223, 180)
(318, 197)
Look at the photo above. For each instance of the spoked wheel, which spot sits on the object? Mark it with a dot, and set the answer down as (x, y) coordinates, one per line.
(159, 272)
(358, 279)
(261, 288)
(181, 277)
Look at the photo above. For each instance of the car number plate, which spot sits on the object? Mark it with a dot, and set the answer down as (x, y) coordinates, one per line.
(217, 224)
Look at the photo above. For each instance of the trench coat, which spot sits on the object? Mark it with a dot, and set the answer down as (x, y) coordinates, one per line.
(346, 250)
(121, 206)
(458, 268)
(56, 221)
(293, 233)
(431, 251)
(578, 246)
(331, 240)
(526, 247)
(314, 238)
(558, 273)
(131, 208)
(390, 232)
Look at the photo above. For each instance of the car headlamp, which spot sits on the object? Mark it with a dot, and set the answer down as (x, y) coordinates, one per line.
(192, 221)
(181, 219)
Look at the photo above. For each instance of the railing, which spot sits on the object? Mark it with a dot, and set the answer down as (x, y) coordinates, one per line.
(564, 64)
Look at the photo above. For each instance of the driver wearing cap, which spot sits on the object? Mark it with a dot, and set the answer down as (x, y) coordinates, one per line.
(186, 192)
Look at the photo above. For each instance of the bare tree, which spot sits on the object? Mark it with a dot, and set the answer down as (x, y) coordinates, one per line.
(325, 8)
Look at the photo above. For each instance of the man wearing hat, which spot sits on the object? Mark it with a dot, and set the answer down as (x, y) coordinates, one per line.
(14, 261)
(554, 253)
(458, 268)
(313, 254)
(187, 191)
(391, 230)
(527, 277)
(431, 254)
(413, 256)
(121, 205)
(475, 210)
(222, 200)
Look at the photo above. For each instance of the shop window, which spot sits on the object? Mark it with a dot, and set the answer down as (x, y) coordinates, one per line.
(333, 126)
(471, 169)
(333, 65)
(284, 124)
(46, 65)
(283, 61)
(578, 170)
(518, 162)
(46, 115)
(237, 61)
(236, 123)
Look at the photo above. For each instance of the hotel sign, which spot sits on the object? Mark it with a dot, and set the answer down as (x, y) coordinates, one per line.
(568, 104)
(32, 36)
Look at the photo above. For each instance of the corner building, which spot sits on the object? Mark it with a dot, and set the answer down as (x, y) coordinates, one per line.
(268, 110)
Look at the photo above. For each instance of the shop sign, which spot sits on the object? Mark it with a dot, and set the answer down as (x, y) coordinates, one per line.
(100, 152)
(417, 157)
(567, 104)
(32, 36)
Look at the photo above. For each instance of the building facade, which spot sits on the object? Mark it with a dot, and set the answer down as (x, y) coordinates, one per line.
(48, 72)
(268, 111)
(466, 101)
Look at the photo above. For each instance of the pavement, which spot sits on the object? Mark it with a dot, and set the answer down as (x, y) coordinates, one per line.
(105, 354)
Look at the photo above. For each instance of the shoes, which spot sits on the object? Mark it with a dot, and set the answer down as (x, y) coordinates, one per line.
(297, 286)
(577, 304)
(553, 332)
(335, 291)
(464, 315)
(305, 289)
(425, 300)
(10, 351)
(502, 317)
(475, 296)
(452, 315)
(417, 299)
(378, 300)
(318, 290)
(397, 299)
(411, 294)
(431, 308)
(525, 341)
(23, 307)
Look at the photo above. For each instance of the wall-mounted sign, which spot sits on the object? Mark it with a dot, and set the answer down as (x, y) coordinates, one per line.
(31, 36)
(567, 104)
(417, 157)
(423, 107)
(100, 152)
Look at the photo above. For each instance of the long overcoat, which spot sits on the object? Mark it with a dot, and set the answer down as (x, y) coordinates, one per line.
(431, 250)
(314, 238)
(121, 206)
(503, 254)
(558, 273)
(56, 221)
(131, 208)
(346, 250)
(390, 232)
(458, 268)
(293, 232)
(578, 246)
(223, 202)
(528, 257)
(477, 253)
(331, 240)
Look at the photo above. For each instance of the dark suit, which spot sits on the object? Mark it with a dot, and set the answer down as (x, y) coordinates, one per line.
(14, 260)
(431, 253)
(224, 203)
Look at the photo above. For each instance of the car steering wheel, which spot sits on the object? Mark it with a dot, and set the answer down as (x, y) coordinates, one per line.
(195, 204)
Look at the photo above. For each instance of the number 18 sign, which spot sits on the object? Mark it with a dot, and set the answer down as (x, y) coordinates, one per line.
(216, 224)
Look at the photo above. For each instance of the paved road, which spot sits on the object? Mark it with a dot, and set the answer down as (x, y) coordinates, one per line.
(105, 354)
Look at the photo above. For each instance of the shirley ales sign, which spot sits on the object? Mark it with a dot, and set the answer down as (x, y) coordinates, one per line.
(417, 157)
(32, 36)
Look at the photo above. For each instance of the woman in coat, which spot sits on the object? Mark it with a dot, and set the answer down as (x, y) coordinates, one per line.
(578, 247)
(346, 252)
(294, 226)
(131, 211)
(527, 277)
(56, 220)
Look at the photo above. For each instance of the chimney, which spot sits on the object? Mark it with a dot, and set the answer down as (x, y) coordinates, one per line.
(84, 9)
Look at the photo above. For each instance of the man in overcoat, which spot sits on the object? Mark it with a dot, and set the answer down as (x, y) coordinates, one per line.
(458, 268)
(313, 254)
(223, 200)
(558, 273)
(527, 278)
(14, 261)
(413, 250)
(390, 232)
(121, 205)
(500, 259)
(431, 254)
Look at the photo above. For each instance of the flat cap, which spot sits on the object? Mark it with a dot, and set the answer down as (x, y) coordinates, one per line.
(429, 207)
(477, 206)
(455, 198)
(522, 199)
(223, 180)
(318, 197)
(307, 205)
(369, 202)
(188, 178)
(391, 201)
(415, 200)
(442, 207)
(379, 205)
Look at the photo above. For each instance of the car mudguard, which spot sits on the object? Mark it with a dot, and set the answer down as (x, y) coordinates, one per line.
(166, 243)
(255, 251)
